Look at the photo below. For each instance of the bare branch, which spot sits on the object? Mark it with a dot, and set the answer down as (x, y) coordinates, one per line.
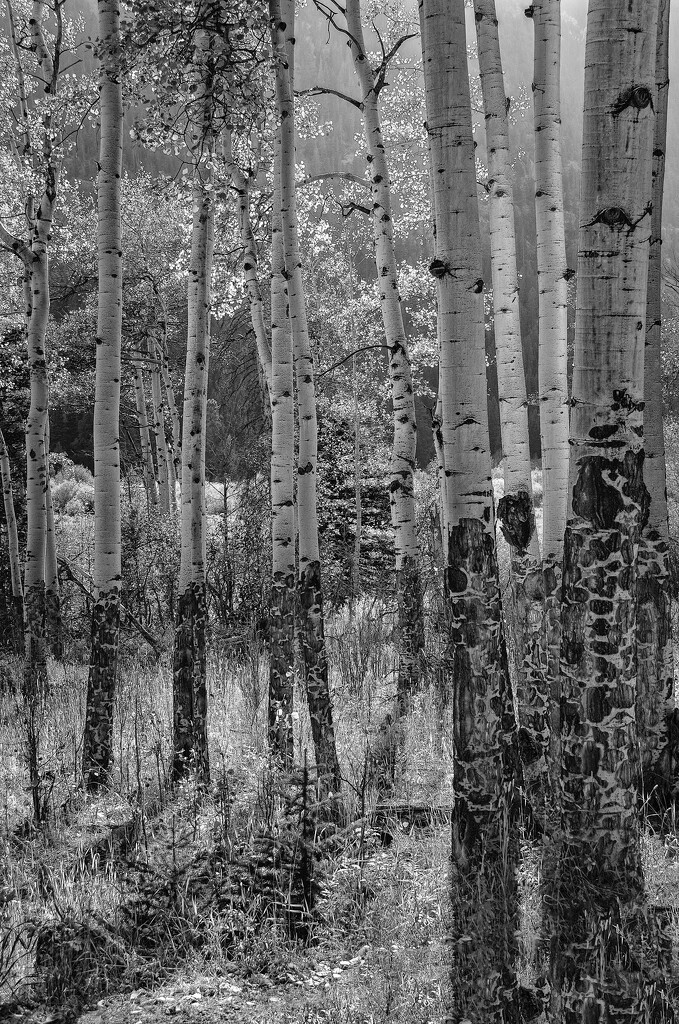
(12, 244)
(364, 348)
(322, 90)
(329, 175)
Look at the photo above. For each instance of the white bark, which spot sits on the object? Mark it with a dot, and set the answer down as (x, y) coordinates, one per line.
(148, 468)
(165, 485)
(11, 520)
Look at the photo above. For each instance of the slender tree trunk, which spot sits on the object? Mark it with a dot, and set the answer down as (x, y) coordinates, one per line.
(158, 429)
(175, 446)
(401, 486)
(356, 561)
(145, 436)
(190, 688)
(484, 912)
(98, 738)
(13, 545)
(250, 262)
(553, 276)
(282, 495)
(515, 509)
(655, 683)
(603, 943)
(309, 589)
(53, 624)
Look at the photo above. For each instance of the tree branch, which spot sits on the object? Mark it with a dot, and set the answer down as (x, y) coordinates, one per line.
(329, 175)
(322, 90)
(13, 244)
(364, 348)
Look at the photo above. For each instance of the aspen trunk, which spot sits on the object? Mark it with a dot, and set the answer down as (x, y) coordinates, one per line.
(158, 429)
(484, 910)
(603, 942)
(356, 561)
(148, 468)
(13, 545)
(53, 624)
(282, 495)
(553, 276)
(655, 683)
(401, 487)
(175, 446)
(189, 673)
(309, 590)
(515, 509)
(98, 737)
(250, 262)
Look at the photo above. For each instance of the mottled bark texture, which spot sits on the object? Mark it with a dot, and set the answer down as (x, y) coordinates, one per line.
(553, 277)
(158, 429)
(98, 737)
(281, 392)
(603, 962)
(656, 713)
(310, 595)
(484, 911)
(189, 692)
(13, 548)
(515, 510)
(53, 623)
(410, 630)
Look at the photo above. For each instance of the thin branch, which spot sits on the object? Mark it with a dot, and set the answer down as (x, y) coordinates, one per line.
(13, 244)
(322, 90)
(329, 175)
(364, 348)
(21, 81)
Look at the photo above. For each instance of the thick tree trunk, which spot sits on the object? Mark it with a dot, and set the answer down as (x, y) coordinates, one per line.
(309, 591)
(282, 495)
(484, 914)
(401, 488)
(603, 942)
(515, 509)
(190, 686)
(655, 683)
(98, 738)
(13, 547)
(553, 276)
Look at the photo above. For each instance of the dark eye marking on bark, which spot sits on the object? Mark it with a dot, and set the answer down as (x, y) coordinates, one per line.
(438, 269)
(516, 518)
(638, 96)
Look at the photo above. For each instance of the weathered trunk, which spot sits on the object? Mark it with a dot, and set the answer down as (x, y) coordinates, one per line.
(175, 444)
(515, 509)
(282, 495)
(602, 948)
(13, 547)
(655, 682)
(484, 912)
(553, 276)
(53, 624)
(98, 737)
(309, 590)
(189, 674)
(401, 489)
(158, 430)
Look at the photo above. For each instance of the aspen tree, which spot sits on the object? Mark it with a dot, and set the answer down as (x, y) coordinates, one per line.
(53, 624)
(309, 587)
(655, 682)
(98, 737)
(281, 393)
(484, 914)
(553, 276)
(148, 468)
(158, 430)
(12, 541)
(401, 486)
(605, 962)
(190, 690)
(515, 509)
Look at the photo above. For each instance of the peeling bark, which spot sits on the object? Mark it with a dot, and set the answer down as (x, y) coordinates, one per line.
(656, 713)
(484, 905)
(603, 960)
